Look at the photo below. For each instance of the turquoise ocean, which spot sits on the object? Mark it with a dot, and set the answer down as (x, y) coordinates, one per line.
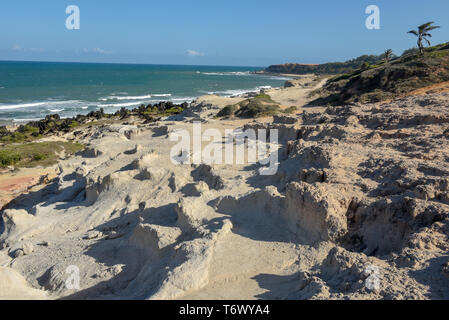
(32, 90)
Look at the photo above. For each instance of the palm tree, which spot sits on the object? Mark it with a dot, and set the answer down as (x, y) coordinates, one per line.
(423, 33)
(388, 55)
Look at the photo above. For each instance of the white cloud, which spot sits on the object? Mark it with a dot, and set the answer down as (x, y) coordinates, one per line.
(99, 50)
(37, 49)
(193, 53)
(17, 47)
(96, 50)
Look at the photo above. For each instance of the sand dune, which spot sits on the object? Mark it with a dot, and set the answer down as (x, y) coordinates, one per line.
(358, 209)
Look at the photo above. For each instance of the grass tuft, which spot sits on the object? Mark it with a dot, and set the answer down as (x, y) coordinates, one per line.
(36, 154)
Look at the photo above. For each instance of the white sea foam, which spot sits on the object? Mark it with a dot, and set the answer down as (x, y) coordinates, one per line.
(118, 105)
(143, 97)
(236, 92)
(126, 98)
(280, 78)
(56, 110)
(69, 103)
(238, 73)
(25, 120)
(20, 106)
(183, 99)
(162, 95)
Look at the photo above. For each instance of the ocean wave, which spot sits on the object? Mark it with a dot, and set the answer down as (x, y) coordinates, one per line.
(183, 99)
(69, 103)
(143, 97)
(237, 73)
(56, 110)
(118, 105)
(126, 98)
(236, 92)
(25, 120)
(280, 78)
(20, 106)
(162, 95)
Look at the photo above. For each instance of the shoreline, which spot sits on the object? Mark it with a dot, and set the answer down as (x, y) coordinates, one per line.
(13, 124)
(130, 209)
(59, 96)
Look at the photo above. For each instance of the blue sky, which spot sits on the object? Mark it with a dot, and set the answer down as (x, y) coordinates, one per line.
(231, 32)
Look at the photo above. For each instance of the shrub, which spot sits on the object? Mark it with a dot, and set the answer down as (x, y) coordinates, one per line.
(253, 110)
(34, 154)
(9, 158)
(27, 129)
(39, 157)
(14, 137)
(263, 96)
(74, 124)
(227, 111)
(173, 110)
(290, 109)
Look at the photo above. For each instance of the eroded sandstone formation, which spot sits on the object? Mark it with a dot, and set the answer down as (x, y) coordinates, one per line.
(362, 191)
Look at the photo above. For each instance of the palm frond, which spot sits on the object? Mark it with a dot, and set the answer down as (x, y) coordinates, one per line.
(432, 28)
(425, 26)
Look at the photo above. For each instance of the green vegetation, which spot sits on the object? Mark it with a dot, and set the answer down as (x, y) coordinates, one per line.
(256, 110)
(330, 68)
(36, 154)
(154, 111)
(14, 137)
(227, 111)
(386, 81)
(9, 158)
(423, 33)
(20, 148)
(290, 110)
(259, 106)
(350, 66)
(24, 133)
(388, 55)
(74, 124)
(263, 96)
(53, 124)
(28, 130)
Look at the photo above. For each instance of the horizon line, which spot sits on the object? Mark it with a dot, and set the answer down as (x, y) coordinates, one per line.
(132, 63)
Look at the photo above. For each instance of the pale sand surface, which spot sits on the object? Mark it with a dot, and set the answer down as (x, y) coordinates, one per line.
(295, 96)
(16, 182)
(356, 187)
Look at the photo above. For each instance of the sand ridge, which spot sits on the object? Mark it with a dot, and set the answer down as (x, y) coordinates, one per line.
(359, 188)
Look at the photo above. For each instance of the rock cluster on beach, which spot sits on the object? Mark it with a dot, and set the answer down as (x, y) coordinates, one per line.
(53, 124)
(358, 209)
